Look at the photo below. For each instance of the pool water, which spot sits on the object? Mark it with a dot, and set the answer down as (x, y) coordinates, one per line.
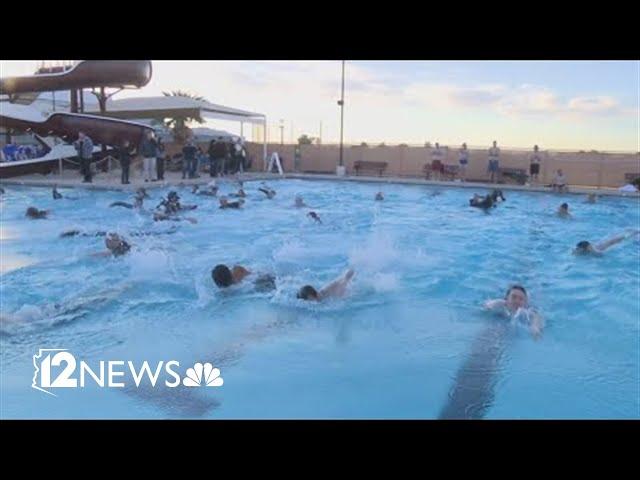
(410, 340)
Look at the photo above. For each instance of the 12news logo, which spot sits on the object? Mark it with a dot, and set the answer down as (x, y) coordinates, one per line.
(50, 374)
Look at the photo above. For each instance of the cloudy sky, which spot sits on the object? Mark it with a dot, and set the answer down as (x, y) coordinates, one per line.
(556, 104)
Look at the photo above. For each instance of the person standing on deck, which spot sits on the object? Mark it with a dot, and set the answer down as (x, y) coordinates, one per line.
(160, 160)
(124, 156)
(494, 162)
(84, 147)
(148, 150)
(534, 164)
(437, 167)
(463, 156)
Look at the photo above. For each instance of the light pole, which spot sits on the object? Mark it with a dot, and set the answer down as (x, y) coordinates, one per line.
(281, 132)
(341, 170)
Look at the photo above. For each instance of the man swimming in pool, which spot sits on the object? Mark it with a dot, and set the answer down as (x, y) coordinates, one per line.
(335, 289)
(224, 277)
(314, 216)
(116, 246)
(563, 211)
(379, 196)
(586, 248)
(36, 214)
(225, 203)
(240, 193)
(212, 191)
(516, 306)
(56, 194)
(482, 202)
(299, 202)
(138, 201)
(268, 191)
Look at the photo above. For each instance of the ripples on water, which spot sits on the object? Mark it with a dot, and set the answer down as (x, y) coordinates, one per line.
(396, 347)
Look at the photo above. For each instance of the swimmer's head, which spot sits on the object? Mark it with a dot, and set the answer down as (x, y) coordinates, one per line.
(564, 208)
(299, 201)
(223, 201)
(222, 276)
(583, 247)
(33, 212)
(116, 244)
(516, 297)
(379, 196)
(308, 293)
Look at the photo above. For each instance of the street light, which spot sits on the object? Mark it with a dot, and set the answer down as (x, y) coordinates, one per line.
(281, 132)
(340, 169)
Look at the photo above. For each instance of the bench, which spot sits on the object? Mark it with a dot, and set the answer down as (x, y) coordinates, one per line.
(449, 172)
(365, 165)
(518, 174)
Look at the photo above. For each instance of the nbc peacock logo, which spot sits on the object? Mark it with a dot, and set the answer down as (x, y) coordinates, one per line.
(202, 376)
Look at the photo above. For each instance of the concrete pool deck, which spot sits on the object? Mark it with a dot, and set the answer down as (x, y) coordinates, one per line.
(111, 181)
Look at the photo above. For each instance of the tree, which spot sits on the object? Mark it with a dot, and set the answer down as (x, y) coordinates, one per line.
(178, 124)
(305, 140)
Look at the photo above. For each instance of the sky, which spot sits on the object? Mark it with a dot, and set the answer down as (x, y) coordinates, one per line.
(581, 105)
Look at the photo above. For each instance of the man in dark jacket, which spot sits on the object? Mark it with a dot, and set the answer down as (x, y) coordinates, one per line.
(124, 156)
(189, 152)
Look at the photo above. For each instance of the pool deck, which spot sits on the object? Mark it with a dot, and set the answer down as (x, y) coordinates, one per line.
(111, 181)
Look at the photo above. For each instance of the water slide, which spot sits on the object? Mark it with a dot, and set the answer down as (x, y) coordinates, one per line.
(85, 74)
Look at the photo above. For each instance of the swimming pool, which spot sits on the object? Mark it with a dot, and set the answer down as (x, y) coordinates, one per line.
(409, 331)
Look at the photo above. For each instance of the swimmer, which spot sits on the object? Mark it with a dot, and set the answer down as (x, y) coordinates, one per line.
(482, 202)
(335, 289)
(515, 302)
(56, 194)
(36, 214)
(586, 248)
(116, 246)
(225, 203)
(137, 201)
(224, 277)
(211, 192)
(162, 216)
(268, 191)
(563, 211)
(299, 202)
(315, 216)
(497, 194)
(1, 191)
(379, 196)
(592, 198)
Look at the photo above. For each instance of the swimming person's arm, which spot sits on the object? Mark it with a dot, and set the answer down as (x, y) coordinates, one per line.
(494, 304)
(537, 324)
(602, 246)
(338, 287)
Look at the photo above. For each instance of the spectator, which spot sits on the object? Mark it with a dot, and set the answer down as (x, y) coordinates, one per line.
(149, 151)
(559, 182)
(124, 156)
(161, 158)
(494, 162)
(84, 147)
(437, 167)
(189, 152)
(534, 164)
(463, 155)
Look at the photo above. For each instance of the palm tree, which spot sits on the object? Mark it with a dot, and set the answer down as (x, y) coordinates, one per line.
(179, 123)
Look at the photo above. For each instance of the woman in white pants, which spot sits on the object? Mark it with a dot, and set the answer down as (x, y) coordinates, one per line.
(149, 165)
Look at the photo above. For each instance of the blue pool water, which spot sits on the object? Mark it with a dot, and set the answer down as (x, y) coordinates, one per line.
(410, 333)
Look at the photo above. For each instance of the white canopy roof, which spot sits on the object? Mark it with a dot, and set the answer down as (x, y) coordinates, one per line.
(150, 107)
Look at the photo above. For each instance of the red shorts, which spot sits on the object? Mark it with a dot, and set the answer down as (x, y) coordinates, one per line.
(437, 166)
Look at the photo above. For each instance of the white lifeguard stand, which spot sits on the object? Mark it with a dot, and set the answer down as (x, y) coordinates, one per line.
(275, 160)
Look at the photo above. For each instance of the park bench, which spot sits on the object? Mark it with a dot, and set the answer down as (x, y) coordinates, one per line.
(371, 166)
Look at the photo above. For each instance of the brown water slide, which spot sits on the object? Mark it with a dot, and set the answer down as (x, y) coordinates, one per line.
(102, 130)
(85, 74)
